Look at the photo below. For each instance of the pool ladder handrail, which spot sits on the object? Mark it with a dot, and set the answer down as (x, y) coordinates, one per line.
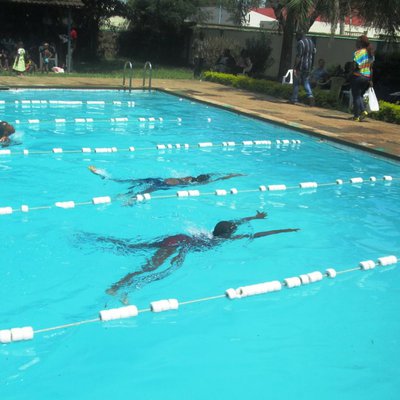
(147, 66)
(128, 64)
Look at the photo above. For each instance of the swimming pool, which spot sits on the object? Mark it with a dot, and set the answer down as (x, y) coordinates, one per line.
(335, 337)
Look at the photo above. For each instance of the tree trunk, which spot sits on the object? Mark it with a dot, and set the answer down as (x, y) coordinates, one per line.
(285, 62)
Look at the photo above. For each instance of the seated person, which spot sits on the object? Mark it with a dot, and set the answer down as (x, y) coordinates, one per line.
(244, 64)
(347, 72)
(6, 130)
(30, 65)
(319, 75)
(225, 63)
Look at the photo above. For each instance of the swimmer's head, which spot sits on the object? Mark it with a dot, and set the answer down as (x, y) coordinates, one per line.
(224, 229)
(6, 128)
(202, 178)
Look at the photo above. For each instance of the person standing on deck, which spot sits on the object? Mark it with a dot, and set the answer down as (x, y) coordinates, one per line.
(361, 78)
(302, 68)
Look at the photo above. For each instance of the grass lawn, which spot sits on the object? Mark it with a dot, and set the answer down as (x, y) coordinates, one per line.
(114, 69)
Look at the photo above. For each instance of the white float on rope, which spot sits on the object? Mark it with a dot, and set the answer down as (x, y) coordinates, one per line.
(276, 187)
(101, 200)
(356, 180)
(119, 313)
(164, 305)
(388, 260)
(368, 264)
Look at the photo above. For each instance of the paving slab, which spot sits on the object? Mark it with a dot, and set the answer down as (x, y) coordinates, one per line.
(376, 136)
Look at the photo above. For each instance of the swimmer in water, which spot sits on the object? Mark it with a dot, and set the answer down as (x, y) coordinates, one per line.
(6, 130)
(148, 185)
(176, 247)
(154, 184)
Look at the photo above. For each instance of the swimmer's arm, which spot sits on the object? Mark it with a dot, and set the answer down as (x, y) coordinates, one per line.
(4, 139)
(274, 232)
(265, 233)
(259, 215)
(222, 178)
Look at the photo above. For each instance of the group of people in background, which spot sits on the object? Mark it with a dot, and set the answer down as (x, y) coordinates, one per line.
(357, 73)
(21, 62)
(15, 57)
(225, 63)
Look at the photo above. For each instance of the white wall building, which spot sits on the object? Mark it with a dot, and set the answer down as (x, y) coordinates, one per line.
(352, 26)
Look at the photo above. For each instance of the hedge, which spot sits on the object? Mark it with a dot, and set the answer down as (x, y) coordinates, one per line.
(388, 112)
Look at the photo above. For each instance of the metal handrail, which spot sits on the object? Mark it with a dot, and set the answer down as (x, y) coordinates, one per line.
(148, 66)
(129, 64)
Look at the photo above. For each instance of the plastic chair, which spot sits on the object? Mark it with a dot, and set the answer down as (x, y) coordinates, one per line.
(347, 94)
(336, 86)
(289, 74)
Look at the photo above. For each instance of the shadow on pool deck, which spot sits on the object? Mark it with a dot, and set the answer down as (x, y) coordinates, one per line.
(379, 137)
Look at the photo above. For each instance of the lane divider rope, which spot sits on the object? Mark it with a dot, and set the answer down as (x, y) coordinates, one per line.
(82, 120)
(45, 103)
(101, 200)
(285, 143)
(27, 333)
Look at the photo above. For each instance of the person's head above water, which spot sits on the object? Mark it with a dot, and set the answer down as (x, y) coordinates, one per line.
(5, 131)
(202, 178)
(224, 229)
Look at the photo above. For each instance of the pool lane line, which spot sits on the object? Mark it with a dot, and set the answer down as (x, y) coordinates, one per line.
(27, 333)
(141, 198)
(73, 103)
(59, 122)
(277, 143)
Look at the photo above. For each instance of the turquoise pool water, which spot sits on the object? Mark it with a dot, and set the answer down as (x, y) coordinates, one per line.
(330, 339)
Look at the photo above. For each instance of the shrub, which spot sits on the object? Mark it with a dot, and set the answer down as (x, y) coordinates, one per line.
(259, 50)
(388, 112)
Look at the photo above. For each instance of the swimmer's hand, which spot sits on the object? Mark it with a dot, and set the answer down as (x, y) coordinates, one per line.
(260, 215)
(4, 139)
(92, 168)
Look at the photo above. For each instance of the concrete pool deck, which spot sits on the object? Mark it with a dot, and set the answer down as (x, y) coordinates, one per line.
(376, 136)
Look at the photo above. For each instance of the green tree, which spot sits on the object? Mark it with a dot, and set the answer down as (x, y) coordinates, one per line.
(163, 15)
(159, 29)
(382, 15)
(240, 8)
(94, 13)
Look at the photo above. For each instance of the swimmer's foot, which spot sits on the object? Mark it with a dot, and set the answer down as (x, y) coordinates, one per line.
(111, 291)
(124, 299)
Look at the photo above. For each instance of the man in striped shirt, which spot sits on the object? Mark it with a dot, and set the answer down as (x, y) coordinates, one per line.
(302, 67)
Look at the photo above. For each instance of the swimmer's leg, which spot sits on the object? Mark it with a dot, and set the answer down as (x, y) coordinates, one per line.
(157, 260)
(112, 244)
(175, 263)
